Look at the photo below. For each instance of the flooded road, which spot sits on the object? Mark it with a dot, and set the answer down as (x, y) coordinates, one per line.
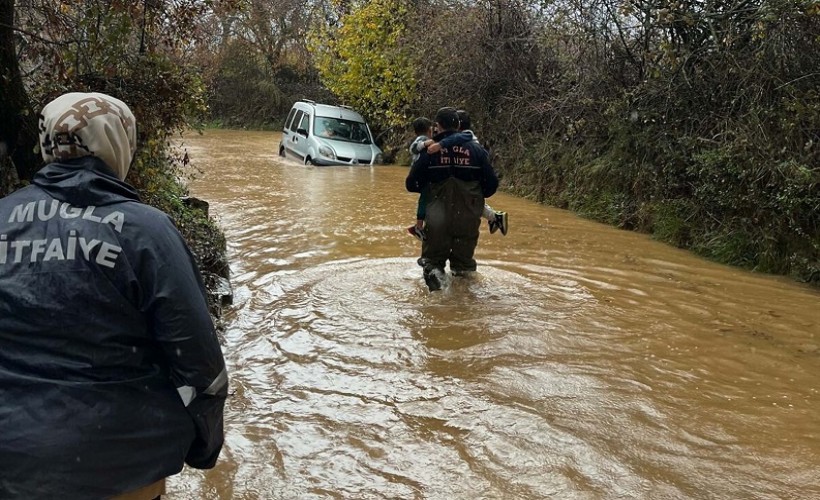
(581, 362)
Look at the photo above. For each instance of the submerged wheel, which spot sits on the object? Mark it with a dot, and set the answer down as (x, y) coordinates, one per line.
(282, 151)
(309, 161)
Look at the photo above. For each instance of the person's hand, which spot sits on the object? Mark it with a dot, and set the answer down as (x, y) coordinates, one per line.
(434, 148)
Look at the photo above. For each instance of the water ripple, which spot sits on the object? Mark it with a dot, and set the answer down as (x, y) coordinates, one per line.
(580, 361)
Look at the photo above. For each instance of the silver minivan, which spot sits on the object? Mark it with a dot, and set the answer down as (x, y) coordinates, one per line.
(320, 134)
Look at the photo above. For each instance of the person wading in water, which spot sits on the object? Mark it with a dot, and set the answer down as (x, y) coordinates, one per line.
(459, 178)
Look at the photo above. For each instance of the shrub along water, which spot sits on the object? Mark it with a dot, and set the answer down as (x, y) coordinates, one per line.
(697, 123)
(735, 183)
(94, 47)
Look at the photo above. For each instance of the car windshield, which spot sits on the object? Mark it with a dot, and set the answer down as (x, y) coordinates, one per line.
(341, 130)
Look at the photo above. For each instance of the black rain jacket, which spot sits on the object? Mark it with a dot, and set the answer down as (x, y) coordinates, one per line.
(466, 161)
(111, 374)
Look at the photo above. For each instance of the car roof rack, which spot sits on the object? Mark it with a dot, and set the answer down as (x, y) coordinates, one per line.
(346, 107)
(310, 101)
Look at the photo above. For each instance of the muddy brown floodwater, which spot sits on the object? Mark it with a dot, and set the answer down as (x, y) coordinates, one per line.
(582, 362)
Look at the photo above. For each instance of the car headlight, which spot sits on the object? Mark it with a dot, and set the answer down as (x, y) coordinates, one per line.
(379, 159)
(327, 152)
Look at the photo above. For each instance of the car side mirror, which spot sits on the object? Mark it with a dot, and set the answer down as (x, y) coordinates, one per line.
(301, 132)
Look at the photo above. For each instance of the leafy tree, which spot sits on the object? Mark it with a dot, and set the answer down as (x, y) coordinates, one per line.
(366, 64)
(138, 52)
(255, 62)
(277, 28)
(242, 90)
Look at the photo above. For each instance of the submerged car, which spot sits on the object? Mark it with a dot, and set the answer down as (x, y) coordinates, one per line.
(320, 134)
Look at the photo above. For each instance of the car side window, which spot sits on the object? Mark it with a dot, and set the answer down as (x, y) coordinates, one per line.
(289, 118)
(358, 133)
(305, 123)
(296, 120)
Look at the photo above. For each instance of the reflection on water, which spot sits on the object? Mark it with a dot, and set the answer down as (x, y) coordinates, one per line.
(579, 362)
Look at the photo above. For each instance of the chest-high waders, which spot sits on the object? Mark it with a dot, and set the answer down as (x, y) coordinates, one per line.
(452, 221)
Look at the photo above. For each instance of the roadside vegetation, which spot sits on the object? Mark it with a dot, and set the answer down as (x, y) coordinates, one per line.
(697, 122)
(133, 51)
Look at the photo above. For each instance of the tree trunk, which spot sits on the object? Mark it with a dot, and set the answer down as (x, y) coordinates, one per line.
(18, 122)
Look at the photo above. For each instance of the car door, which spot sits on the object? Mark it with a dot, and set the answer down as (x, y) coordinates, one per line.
(291, 141)
(286, 130)
(301, 129)
(283, 141)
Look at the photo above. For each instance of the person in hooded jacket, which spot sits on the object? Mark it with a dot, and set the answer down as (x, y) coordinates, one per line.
(459, 178)
(111, 373)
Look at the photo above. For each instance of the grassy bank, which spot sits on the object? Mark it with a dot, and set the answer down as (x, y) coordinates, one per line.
(157, 175)
(721, 201)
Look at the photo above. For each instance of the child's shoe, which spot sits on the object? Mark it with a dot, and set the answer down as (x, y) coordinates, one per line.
(493, 225)
(501, 223)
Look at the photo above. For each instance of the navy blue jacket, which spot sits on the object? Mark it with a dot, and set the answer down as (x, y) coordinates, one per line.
(105, 336)
(465, 160)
